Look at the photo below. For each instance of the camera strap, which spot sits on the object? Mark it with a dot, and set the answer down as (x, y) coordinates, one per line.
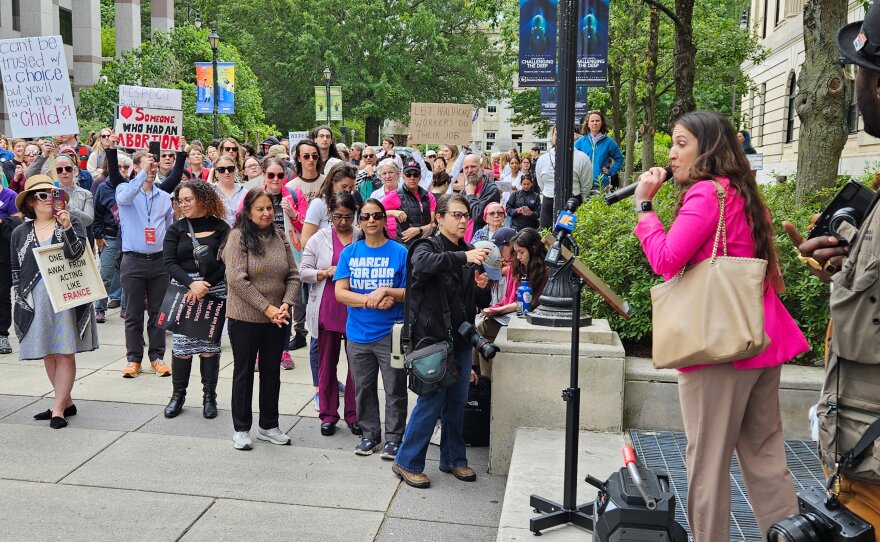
(406, 335)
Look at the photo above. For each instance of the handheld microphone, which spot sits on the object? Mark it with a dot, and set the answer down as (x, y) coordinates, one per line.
(565, 224)
(629, 190)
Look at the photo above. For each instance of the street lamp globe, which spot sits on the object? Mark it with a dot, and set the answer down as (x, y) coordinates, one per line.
(327, 73)
(197, 22)
(214, 39)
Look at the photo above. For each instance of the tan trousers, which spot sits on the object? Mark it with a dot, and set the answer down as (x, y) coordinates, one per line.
(725, 410)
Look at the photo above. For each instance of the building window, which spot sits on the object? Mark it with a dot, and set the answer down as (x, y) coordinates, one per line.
(65, 23)
(778, 14)
(489, 145)
(491, 107)
(490, 135)
(16, 15)
(542, 146)
(764, 18)
(759, 121)
(516, 136)
(791, 113)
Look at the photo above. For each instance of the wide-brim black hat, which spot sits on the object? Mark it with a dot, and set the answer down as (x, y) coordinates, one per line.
(859, 42)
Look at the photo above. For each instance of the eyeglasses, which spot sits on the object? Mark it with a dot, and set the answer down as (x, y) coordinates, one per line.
(167, 155)
(412, 173)
(42, 196)
(368, 156)
(273, 176)
(377, 216)
(230, 149)
(310, 157)
(495, 213)
(458, 215)
(225, 169)
(185, 201)
(105, 136)
(63, 169)
(345, 218)
(32, 153)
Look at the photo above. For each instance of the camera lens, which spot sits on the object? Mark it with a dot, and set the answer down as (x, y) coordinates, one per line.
(800, 528)
(844, 214)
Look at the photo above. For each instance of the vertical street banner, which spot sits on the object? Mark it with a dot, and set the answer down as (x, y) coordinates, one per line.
(335, 103)
(225, 88)
(321, 104)
(537, 43)
(592, 52)
(548, 101)
(36, 87)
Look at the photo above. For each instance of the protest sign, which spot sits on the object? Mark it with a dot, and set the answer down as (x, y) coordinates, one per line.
(36, 87)
(154, 98)
(441, 123)
(137, 126)
(69, 283)
(202, 319)
(225, 88)
(295, 137)
(756, 161)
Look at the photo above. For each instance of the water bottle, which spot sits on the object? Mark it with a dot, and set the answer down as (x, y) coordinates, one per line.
(523, 297)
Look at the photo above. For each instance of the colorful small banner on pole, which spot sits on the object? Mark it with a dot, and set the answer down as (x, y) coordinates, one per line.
(321, 103)
(225, 88)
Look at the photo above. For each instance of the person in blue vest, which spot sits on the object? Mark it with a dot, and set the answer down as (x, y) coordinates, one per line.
(603, 151)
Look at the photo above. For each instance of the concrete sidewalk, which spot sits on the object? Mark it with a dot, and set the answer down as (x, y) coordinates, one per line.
(121, 471)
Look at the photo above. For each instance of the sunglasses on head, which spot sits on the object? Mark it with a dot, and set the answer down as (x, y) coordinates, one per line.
(273, 176)
(230, 149)
(310, 157)
(377, 216)
(42, 196)
(64, 169)
(225, 169)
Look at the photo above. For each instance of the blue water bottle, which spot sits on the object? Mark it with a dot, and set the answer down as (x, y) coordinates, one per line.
(523, 297)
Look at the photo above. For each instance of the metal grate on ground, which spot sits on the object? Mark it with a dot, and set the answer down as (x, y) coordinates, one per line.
(665, 450)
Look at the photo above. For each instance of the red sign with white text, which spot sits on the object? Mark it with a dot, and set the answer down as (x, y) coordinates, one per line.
(137, 126)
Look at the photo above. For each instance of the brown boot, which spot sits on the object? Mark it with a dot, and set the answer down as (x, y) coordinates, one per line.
(415, 479)
(465, 474)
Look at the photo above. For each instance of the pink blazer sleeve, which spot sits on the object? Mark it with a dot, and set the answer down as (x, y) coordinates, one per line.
(694, 227)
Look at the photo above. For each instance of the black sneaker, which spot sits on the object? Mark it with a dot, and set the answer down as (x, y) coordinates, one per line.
(100, 317)
(5, 347)
(297, 341)
(389, 452)
(367, 447)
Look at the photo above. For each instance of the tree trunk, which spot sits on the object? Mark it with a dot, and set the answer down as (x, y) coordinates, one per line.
(684, 60)
(631, 105)
(616, 120)
(650, 100)
(824, 95)
(371, 129)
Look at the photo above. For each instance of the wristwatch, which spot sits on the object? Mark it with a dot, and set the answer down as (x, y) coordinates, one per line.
(644, 207)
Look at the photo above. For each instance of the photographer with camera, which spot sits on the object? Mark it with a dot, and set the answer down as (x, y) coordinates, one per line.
(849, 405)
(443, 266)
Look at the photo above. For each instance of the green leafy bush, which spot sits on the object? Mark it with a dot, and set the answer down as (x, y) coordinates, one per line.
(612, 251)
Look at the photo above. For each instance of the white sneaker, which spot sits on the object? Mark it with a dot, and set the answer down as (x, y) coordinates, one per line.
(242, 440)
(274, 435)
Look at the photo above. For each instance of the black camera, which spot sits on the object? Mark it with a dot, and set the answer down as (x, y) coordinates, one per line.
(852, 204)
(481, 344)
(821, 522)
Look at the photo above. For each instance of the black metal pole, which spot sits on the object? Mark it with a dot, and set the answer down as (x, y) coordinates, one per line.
(216, 94)
(566, 62)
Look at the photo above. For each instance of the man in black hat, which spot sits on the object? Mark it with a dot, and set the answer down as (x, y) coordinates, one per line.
(267, 144)
(411, 205)
(852, 350)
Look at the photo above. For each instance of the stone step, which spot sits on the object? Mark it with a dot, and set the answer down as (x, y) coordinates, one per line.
(520, 331)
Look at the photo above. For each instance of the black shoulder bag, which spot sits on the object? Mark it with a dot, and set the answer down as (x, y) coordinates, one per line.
(206, 260)
(428, 366)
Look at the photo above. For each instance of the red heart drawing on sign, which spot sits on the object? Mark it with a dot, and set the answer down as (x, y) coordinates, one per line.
(126, 112)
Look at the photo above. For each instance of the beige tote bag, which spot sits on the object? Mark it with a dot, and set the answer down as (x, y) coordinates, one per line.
(712, 312)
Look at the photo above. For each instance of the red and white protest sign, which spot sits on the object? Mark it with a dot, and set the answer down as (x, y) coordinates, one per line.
(137, 126)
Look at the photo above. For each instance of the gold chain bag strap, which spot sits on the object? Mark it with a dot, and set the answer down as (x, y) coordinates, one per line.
(712, 312)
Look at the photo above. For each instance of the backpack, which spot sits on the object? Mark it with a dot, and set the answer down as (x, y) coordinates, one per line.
(478, 413)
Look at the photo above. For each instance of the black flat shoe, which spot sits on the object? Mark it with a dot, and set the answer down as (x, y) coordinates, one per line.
(328, 428)
(355, 428)
(47, 415)
(57, 422)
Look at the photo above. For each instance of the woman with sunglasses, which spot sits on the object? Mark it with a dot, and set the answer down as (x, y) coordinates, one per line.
(55, 338)
(230, 192)
(371, 280)
(97, 163)
(230, 147)
(493, 215)
(308, 164)
(325, 316)
(203, 216)
(441, 266)
(263, 281)
(80, 202)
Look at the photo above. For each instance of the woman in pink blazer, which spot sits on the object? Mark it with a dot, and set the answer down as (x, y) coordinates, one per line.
(732, 406)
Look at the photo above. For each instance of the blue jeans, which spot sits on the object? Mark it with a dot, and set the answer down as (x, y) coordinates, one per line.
(110, 272)
(448, 405)
(314, 359)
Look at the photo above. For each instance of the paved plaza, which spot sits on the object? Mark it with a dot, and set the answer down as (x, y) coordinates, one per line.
(122, 471)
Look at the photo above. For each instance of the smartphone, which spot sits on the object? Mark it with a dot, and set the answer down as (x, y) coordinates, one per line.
(58, 201)
(155, 150)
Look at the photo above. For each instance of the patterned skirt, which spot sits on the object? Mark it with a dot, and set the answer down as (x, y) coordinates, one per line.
(181, 345)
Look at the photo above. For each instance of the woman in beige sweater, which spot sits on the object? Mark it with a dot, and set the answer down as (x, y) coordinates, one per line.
(263, 282)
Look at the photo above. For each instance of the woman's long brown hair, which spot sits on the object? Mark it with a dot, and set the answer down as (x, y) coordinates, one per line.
(719, 154)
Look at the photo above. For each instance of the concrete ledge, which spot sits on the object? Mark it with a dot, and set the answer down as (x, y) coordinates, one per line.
(520, 331)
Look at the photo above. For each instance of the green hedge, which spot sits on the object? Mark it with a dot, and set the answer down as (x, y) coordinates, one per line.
(612, 251)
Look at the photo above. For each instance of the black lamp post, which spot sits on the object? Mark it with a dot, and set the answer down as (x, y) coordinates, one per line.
(214, 40)
(327, 75)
